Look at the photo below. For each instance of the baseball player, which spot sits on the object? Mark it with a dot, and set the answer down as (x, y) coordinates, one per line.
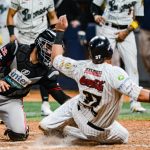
(4, 35)
(32, 17)
(119, 20)
(101, 86)
(22, 66)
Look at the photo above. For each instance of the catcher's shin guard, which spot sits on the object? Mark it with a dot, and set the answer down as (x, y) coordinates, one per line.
(17, 136)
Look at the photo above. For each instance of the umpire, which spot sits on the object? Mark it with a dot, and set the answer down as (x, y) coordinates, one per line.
(22, 66)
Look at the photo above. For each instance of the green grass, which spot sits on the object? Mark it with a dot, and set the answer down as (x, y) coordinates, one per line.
(33, 111)
(127, 115)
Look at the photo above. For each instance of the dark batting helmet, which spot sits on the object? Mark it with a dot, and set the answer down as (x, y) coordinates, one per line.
(100, 49)
(43, 43)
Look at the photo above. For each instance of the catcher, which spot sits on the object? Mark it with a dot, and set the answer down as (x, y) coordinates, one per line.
(22, 66)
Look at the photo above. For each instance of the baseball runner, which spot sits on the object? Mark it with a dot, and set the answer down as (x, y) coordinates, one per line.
(119, 20)
(22, 66)
(32, 17)
(4, 35)
(101, 86)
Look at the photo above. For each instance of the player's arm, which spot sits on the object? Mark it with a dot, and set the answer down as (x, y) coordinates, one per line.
(120, 80)
(52, 18)
(120, 36)
(137, 15)
(10, 23)
(7, 54)
(57, 48)
(51, 15)
(144, 96)
(95, 10)
(65, 65)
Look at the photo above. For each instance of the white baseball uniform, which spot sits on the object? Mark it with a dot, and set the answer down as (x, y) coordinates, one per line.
(31, 18)
(120, 12)
(4, 5)
(97, 106)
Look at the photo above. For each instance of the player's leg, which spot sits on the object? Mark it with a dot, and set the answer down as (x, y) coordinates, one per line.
(59, 118)
(13, 117)
(128, 53)
(45, 107)
(115, 134)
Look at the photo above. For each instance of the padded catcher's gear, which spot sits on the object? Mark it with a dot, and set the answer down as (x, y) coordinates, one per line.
(17, 136)
(43, 43)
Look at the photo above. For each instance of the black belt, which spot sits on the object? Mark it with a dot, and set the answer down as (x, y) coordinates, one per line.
(91, 124)
(116, 25)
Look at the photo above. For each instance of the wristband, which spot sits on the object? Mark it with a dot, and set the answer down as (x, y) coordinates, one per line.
(11, 29)
(134, 24)
(59, 37)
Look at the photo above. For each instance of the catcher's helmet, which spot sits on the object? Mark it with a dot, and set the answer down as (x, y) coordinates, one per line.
(100, 49)
(43, 43)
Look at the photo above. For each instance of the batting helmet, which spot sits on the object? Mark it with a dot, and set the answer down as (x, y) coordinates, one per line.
(43, 43)
(100, 49)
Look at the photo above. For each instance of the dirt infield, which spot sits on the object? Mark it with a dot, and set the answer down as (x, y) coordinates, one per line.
(139, 136)
(139, 140)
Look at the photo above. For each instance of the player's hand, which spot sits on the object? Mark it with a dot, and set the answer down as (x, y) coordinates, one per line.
(62, 23)
(120, 36)
(4, 86)
(12, 38)
(99, 19)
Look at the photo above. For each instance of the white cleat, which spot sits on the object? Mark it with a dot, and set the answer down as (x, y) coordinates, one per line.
(136, 107)
(45, 109)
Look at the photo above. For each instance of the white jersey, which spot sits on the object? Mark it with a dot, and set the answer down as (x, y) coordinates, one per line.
(31, 15)
(121, 11)
(4, 5)
(100, 87)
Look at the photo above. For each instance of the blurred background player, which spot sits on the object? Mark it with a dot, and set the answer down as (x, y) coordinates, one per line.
(144, 36)
(119, 20)
(4, 35)
(32, 17)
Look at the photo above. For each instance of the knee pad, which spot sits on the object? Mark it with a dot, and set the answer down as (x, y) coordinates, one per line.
(17, 136)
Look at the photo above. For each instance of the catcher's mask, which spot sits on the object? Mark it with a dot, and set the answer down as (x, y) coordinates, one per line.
(43, 43)
(100, 49)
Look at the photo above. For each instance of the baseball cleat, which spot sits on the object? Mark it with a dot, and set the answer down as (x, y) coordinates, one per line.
(45, 109)
(136, 107)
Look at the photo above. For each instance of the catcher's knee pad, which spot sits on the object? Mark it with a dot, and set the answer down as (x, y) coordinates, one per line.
(17, 136)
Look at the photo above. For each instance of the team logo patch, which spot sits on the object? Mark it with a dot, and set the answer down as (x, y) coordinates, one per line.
(16, 79)
(68, 65)
(25, 72)
(120, 77)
